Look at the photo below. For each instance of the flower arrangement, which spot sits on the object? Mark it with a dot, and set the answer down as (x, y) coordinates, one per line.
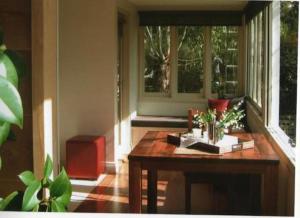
(202, 119)
(231, 117)
(228, 119)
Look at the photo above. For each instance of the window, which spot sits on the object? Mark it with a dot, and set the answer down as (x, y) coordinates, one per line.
(272, 43)
(190, 48)
(288, 67)
(157, 59)
(224, 61)
(176, 57)
(256, 60)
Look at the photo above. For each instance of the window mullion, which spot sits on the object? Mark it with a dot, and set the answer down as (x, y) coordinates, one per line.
(275, 64)
(207, 62)
(254, 91)
(259, 59)
(251, 71)
(174, 62)
(265, 105)
(141, 62)
(241, 59)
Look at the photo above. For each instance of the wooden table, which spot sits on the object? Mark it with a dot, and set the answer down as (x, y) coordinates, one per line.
(153, 153)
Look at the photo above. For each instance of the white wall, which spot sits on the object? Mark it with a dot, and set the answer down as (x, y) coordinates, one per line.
(87, 70)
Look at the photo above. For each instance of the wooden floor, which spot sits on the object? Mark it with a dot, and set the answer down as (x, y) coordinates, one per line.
(111, 196)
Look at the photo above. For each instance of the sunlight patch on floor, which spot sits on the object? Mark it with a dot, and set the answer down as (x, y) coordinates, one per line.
(81, 190)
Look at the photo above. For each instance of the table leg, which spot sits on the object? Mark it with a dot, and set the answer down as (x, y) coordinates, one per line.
(188, 186)
(270, 191)
(135, 187)
(152, 191)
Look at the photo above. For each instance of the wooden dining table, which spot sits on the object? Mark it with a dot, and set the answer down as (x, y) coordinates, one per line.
(153, 154)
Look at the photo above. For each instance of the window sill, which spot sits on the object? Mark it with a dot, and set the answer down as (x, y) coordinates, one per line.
(159, 121)
(275, 135)
(256, 107)
(283, 142)
(191, 99)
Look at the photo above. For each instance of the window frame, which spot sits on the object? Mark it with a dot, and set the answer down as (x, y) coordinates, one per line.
(174, 95)
(255, 90)
(269, 110)
(274, 83)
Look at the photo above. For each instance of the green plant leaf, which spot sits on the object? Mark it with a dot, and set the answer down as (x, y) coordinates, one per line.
(48, 167)
(16, 203)
(57, 207)
(7, 69)
(60, 185)
(30, 199)
(11, 109)
(11, 136)
(36, 208)
(65, 198)
(7, 200)
(18, 61)
(27, 177)
(4, 131)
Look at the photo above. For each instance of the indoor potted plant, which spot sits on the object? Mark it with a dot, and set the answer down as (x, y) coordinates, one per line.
(11, 113)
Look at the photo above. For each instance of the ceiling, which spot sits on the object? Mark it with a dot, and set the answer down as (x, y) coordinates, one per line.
(189, 4)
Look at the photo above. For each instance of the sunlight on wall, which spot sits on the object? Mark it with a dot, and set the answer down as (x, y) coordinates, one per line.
(125, 146)
(48, 139)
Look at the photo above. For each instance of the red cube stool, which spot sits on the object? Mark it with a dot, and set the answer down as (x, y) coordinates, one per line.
(85, 156)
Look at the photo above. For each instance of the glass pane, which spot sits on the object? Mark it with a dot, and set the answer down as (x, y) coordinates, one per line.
(157, 59)
(224, 60)
(190, 59)
(251, 69)
(288, 67)
(260, 62)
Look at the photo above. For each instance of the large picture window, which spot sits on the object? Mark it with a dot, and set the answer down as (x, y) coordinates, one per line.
(175, 60)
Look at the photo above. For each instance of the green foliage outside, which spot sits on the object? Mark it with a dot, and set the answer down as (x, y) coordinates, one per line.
(190, 50)
(224, 60)
(288, 65)
(288, 55)
(157, 59)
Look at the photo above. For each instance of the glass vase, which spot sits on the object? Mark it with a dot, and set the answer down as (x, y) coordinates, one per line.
(211, 131)
(219, 134)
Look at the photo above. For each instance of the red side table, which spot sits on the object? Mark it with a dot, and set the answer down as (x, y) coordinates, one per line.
(85, 156)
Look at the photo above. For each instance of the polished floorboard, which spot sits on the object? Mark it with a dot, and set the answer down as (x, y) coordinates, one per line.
(111, 196)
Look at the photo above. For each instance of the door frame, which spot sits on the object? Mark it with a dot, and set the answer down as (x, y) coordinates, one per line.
(122, 149)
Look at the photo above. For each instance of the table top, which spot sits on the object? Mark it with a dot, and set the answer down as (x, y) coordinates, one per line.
(154, 146)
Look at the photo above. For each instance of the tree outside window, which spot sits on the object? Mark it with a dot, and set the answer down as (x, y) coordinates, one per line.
(288, 67)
